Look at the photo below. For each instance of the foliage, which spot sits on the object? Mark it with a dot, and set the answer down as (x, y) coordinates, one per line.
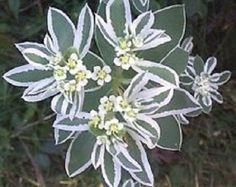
(13, 133)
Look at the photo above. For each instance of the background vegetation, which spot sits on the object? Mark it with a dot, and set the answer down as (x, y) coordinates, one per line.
(28, 156)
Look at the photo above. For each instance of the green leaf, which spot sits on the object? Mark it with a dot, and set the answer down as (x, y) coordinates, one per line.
(78, 123)
(35, 57)
(181, 103)
(93, 98)
(110, 170)
(62, 136)
(118, 12)
(79, 153)
(106, 50)
(171, 133)
(139, 6)
(26, 75)
(224, 77)
(177, 60)
(160, 73)
(137, 151)
(22, 46)
(61, 29)
(171, 19)
(198, 65)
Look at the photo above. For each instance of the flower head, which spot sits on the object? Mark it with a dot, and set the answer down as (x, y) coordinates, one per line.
(204, 83)
(101, 75)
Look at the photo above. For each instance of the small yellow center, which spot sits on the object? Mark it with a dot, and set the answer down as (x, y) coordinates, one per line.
(59, 72)
(114, 128)
(80, 76)
(131, 114)
(101, 74)
(123, 44)
(95, 121)
(71, 63)
(124, 59)
(108, 105)
(72, 87)
(124, 104)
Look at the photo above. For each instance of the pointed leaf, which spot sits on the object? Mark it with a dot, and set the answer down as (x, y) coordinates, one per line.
(40, 90)
(145, 176)
(171, 133)
(119, 15)
(111, 171)
(25, 75)
(79, 123)
(79, 153)
(141, 5)
(181, 103)
(177, 59)
(158, 73)
(61, 29)
(173, 21)
(198, 65)
(61, 136)
(84, 32)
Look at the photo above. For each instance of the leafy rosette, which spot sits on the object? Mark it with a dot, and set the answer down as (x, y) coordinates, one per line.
(116, 131)
(203, 83)
(63, 66)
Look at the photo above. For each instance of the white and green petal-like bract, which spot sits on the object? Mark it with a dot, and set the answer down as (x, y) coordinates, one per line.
(59, 66)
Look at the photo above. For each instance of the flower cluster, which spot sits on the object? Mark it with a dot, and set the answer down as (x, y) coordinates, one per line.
(134, 36)
(107, 113)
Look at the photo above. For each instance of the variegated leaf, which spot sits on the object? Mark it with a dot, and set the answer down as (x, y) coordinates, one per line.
(61, 29)
(111, 170)
(77, 124)
(78, 156)
(25, 75)
(84, 32)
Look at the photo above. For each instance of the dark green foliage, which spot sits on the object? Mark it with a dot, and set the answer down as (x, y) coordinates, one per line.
(28, 156)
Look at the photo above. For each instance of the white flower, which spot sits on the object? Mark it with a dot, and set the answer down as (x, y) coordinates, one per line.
(113, 127)
(125, 60)
(97, 119)
(55, 60)
(60, 73)
(101, 75)
(131, 115)
(122, 104)
(82, 77)
(107, 104)
(124, 46)
(74, 64)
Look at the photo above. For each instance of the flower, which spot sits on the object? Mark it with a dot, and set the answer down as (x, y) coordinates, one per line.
(101, 75)
(131, 36)
(113, 127)
(59, 66)
(107, 104)
(204, 83)
(97, 120)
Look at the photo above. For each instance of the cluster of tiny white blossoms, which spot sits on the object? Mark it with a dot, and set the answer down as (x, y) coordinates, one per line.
(125, 54)
(72, 75)
(106, 119)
